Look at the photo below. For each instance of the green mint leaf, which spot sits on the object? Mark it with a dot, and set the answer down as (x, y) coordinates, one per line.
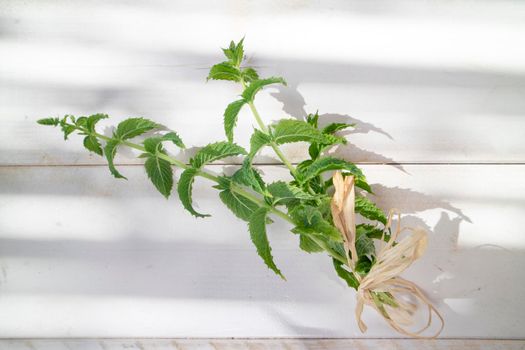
(229, 52)
(185, 191)
(369, 210)
(238, 53)
(338, 247)
(301, 167)
(223, 183)
(224, 71)
(346, 275)
(372, 232)
(133, 127)
(215, 151)
(257, 228)
(309, 220)
(235, 53)
(49, 121)
(308, 244)
(81, 121)
(361, 183)
(314, 150)
(92, 144)
(248, 176)
(364, 245)
(154, 144)
(67, 129)
(334, 127)
(174, 138)
(321, 165)
(241, 206)
(291, 130)
(379, 304)
(313, 119)
(92, 120)
(256, 85)
(249, 74)
(110, 150)
(322, 230)
(363, 265)
(319, 146)
(160, 173)
(257, 141)
(386, 298)
(287, 194)
(230, 117)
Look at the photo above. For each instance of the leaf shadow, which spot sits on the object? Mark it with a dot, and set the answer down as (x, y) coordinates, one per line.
(431, 273)
(408, 201)
(293, 103)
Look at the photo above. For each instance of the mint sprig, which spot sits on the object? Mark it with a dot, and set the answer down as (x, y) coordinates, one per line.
(304, 201)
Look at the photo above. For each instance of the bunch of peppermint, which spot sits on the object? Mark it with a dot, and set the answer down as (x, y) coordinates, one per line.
(304, 201)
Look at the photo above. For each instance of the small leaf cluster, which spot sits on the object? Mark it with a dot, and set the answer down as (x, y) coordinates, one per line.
(304, 200)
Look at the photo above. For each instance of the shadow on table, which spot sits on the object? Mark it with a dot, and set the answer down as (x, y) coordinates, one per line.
(444, 264)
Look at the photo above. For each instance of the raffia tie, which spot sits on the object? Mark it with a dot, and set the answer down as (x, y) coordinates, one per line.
(391, 260)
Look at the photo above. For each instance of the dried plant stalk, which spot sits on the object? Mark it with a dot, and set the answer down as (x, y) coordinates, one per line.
(382, 288)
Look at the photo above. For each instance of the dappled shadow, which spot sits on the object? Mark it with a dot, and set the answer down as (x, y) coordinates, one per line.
(361, 127)
(437, 272)
(452, 277)
(293, 103)
(484, 93)
(408, 201)
(151, 79)
(141, 267)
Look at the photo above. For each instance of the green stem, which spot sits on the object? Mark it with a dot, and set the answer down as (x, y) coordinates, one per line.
(235, 188)
(330, 251)
(201, 173)
(264, 128)
(275, 147)
(166, 157)
(257, 117)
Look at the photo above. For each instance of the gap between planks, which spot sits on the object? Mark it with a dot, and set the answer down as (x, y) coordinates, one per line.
(258, 164)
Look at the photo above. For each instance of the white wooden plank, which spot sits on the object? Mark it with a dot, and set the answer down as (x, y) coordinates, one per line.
(437, 82)
(84, 255)
(260, 344)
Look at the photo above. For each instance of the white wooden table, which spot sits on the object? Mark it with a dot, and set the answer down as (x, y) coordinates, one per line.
(437, 90)
(259, 344)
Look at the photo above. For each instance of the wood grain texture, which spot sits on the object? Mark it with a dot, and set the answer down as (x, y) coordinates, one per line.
(85, 255)
(258, 344)
(451, 90)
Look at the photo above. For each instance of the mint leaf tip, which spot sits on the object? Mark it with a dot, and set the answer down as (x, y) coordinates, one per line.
(49, 121)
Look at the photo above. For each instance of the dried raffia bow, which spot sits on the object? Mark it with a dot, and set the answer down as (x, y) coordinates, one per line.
(382, 287)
